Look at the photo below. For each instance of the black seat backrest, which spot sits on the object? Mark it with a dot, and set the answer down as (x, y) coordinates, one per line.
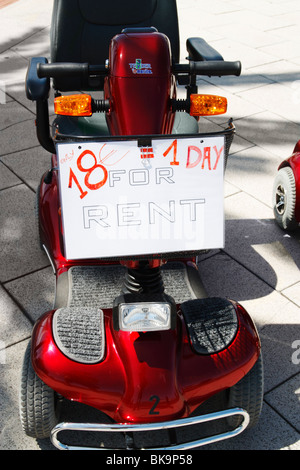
(81, 30)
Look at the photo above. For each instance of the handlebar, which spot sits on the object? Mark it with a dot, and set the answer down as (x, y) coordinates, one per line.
(66, 69)
(205, 68)
(209, 68)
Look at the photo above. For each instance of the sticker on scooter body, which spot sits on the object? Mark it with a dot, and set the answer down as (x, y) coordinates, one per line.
(138, 67)
(127, 198)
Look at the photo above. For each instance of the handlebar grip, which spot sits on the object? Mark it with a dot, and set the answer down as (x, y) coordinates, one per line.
(210, 68)
(62, 69)
(216, 68)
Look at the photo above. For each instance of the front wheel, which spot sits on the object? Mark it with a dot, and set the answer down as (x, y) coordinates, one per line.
(284, 199)
(248, 394)
(38, 402)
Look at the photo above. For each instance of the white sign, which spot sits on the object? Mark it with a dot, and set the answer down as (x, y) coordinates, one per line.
(120, 200)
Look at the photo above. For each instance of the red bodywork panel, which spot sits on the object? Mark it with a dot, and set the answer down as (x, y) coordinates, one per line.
(145, 377)
(140, 85)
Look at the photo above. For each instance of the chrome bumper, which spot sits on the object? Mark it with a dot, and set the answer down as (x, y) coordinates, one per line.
(123, 428)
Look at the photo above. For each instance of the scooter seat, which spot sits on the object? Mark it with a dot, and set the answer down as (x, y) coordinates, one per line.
(81, 31)
(185, 124)
(81, 126)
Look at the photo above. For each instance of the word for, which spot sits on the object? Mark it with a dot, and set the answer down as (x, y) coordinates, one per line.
(141, 176)
(130, 214)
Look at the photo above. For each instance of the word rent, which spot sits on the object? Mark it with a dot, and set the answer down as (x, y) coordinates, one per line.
(136, 213)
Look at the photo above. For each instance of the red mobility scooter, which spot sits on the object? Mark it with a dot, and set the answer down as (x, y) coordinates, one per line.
(286, 192)
(133, 195)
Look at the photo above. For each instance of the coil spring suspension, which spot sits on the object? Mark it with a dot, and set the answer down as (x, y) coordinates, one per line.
(143, 280)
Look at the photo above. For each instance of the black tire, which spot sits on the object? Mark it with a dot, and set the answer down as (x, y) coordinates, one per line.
(284, 199)
(248, 394)
(38, 402)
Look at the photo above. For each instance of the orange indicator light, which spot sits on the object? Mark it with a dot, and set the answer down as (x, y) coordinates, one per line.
(73, 105)
(207, 105)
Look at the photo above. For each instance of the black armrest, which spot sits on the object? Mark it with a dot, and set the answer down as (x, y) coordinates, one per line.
(199, 49)
(36, 88)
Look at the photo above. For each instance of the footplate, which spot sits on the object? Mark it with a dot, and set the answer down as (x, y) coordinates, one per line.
(167, 425)
(94, 286)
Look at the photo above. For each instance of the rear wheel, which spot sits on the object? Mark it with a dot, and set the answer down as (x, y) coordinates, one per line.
(38, 402)
(284, 199)
(247, 394)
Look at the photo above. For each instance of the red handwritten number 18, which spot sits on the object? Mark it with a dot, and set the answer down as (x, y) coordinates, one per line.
(88, 171)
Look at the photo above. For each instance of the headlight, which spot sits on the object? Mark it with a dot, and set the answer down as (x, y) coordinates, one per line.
(144, 316)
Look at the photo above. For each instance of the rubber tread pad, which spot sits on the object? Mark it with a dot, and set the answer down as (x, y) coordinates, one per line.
(79, 333)
(212, 323)
(98, 286)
